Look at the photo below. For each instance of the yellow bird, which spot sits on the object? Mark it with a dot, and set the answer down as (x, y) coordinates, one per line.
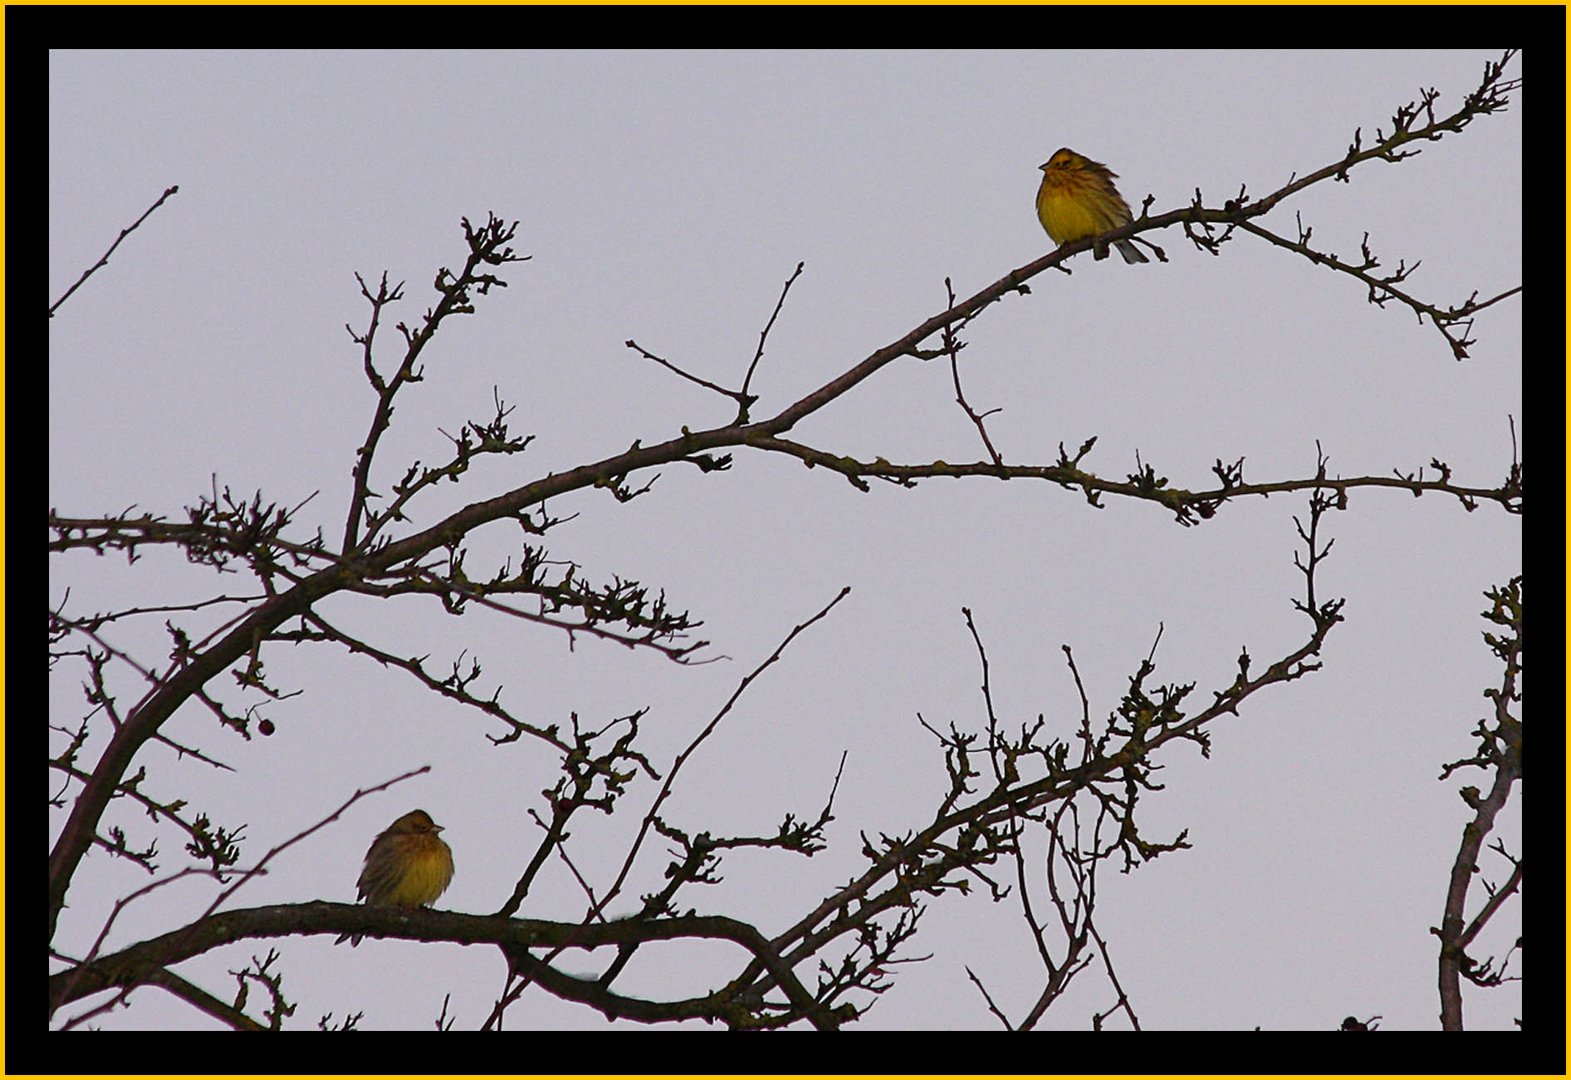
(407, 865)
(1077, 199)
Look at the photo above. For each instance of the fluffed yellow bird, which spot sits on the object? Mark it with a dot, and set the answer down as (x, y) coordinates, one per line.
(407, 865)
(1077, 199)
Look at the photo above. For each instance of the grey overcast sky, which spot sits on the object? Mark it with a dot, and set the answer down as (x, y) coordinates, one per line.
(665, 197)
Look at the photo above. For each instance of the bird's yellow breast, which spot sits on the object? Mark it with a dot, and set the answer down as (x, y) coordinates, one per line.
(427, 871)
(1067, 214)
